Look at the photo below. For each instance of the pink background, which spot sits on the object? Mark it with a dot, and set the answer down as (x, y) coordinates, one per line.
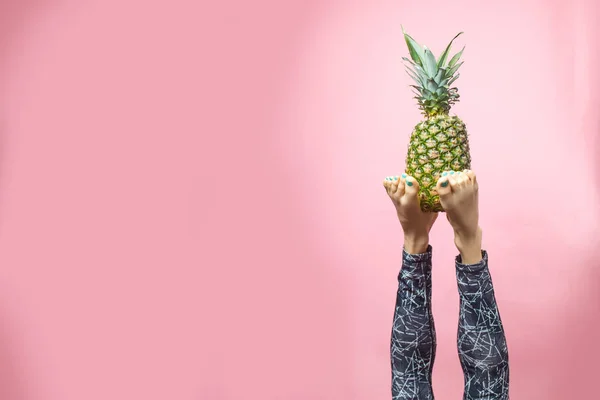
(191, 202)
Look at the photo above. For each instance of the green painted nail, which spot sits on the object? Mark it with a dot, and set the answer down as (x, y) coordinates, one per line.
(451, 172)
(444, 173)
(444, 184)
(409, 183)
(404, 175)
(396, 178)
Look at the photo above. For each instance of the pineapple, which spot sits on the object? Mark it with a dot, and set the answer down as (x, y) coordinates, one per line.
(439, 142)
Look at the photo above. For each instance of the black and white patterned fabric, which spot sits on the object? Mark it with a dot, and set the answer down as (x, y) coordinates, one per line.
(481, 341)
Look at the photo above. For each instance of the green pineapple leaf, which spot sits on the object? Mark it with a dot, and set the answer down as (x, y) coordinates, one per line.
(417, 69)
(455, 59)
(416, 52)
(431, 85)
(409, 64)
(414, 77)
(438, 77)
(455, 68)
(429, 61)
(444, 55)
(451, 81)
(418, 78)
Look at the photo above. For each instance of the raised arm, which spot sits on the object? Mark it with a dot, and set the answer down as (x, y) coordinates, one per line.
(413, 332)
(482, 345)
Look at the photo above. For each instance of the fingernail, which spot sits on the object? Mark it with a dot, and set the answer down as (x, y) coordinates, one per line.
(395, 178)
(444, 184)
(404, 175)
(409, 183)
(444, 173)
(451, 172)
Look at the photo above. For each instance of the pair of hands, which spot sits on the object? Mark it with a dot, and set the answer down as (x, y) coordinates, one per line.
(458, 193)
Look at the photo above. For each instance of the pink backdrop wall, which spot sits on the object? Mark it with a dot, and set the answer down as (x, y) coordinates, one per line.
(191, 202)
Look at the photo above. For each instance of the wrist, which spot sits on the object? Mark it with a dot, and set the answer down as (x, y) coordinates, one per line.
(469, 247)
(416, 243)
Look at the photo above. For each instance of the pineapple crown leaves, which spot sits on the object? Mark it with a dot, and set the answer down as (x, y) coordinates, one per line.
(433, 78)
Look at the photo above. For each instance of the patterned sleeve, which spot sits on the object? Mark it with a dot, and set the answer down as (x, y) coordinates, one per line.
(482, 345)
(413, 334)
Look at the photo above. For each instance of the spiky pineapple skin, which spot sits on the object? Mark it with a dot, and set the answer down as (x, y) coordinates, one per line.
(437, 144)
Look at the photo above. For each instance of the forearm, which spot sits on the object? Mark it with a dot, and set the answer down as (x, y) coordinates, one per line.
(481, 340)
(413, 334)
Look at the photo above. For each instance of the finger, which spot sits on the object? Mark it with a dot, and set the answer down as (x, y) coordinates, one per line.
(472, 179)
(401, 185)
(394, 185)
(453, 181)
(471, 175)
(411, 186)
(387, 182)
(461, 178)
(443, 184)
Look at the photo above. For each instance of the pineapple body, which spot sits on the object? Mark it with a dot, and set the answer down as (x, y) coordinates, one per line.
(438, 143)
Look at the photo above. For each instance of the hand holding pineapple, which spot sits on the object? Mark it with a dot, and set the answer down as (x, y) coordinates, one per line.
(416, 224)
(458, 194)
